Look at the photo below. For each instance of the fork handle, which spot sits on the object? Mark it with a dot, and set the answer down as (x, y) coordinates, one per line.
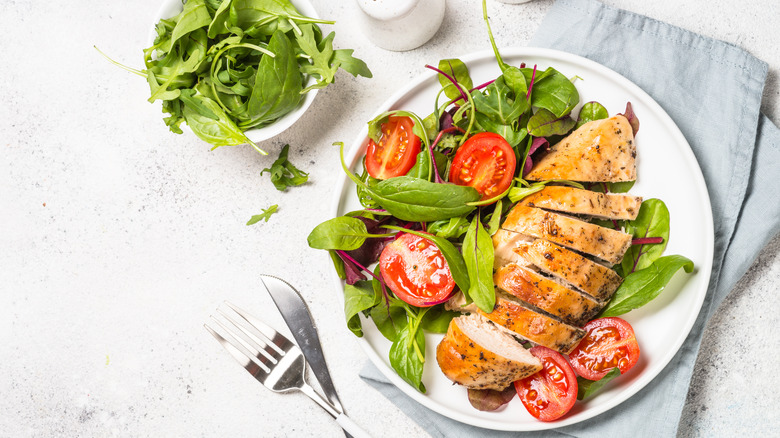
(345, 422)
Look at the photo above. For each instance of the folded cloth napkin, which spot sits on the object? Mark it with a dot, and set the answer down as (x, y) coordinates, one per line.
(714, 96)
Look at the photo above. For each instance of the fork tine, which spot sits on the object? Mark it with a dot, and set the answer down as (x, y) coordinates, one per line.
(261, 330)
(252, 339)
(239, 349)
(255, 370)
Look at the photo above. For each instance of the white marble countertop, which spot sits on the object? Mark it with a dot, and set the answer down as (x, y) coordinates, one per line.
(119, 238)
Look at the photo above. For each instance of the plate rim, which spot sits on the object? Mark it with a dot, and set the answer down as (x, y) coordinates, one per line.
(682, 144)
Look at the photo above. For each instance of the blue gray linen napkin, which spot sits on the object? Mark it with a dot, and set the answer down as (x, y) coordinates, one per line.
(712, 90)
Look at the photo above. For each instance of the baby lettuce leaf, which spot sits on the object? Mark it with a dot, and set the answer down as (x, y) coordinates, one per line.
(586, 388)
(406, 355)
(591, 111)
(220, 131)
(641, 287)
(553, 91)
(458, 70)
(358, 297)
(497, 102)
(478, 255)
(652, 221)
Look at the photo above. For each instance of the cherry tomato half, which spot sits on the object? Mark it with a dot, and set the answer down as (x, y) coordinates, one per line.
(550, 393)
(608, 343)
(486, 162)
(416, 271)
(396, 151)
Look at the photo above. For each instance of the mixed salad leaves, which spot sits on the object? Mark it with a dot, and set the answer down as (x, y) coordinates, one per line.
(435, 189)
(226, 66)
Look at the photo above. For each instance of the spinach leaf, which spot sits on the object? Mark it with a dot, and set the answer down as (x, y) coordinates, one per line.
(358, 297)
(553, 91)
(451, 228)
(641, 287)
(451, 254)
(419, 200)
(512, 135)
(437, 319)
(340, 233)
(586, 388)
(338, 265)
(283, 173)
(497, 102)
(267, 212)
(591, 111)
(390, 317)
(478, 255)
(278, 83)
(495, 218)
(407, 355)
(515, 79)
(545, 124)
(458, 70)
(652, 221)
(193, 16)
(220, 131)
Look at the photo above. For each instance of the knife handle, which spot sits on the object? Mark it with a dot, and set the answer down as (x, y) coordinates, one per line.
(351, 427)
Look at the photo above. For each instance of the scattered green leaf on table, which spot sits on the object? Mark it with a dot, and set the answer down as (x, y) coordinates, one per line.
(283, 173)
(265, 215)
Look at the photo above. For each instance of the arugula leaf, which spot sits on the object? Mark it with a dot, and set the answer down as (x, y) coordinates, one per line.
(354, 66)
(357, 298)
(641, 287)
(283, 173)
(267, 212)
(586, 388)
(478, 255)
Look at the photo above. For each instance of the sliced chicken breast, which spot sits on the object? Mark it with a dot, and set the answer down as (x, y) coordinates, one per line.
(533, 325)
(585, 202)
(569, 305)
(598, 151)
(504, 243)
(478, 354)
(605, 243)
(592, 278)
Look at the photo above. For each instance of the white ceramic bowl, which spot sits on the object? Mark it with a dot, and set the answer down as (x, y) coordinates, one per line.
(170, 8)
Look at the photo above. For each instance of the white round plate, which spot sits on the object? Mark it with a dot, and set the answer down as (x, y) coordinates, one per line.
(667, 169)
(171, 8)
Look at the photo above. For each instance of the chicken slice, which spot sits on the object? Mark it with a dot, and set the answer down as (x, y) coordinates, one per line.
(570, 306)
(504, 243)
(533, 325)
(605, 243)
(598, 151)
(478, 354)
(585, 202)
(592, 278)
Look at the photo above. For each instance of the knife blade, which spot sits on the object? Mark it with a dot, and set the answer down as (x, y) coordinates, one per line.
(296, 314)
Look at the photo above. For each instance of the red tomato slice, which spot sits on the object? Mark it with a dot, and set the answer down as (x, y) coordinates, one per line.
(486, 162)
(550, 393)
(396, 151)
(416, 271)
(608, 343)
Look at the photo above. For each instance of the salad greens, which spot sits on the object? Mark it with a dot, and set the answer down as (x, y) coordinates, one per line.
(264, 216)
(226, 66)
(529, 108)
(283, 173)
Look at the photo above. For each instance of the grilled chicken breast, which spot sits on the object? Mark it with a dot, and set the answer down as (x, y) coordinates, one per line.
(533, 325)
(504, 243)
(605, 243)
(598, 151)
(570, 306)
(478, 354)
(585, 202)
(592, 278)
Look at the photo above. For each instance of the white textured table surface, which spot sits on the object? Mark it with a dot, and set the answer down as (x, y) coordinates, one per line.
(119, 238)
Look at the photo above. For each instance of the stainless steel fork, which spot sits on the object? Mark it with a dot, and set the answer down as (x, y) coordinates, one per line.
(271, 358)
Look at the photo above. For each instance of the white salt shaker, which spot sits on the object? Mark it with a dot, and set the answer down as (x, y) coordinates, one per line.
(400, 25)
